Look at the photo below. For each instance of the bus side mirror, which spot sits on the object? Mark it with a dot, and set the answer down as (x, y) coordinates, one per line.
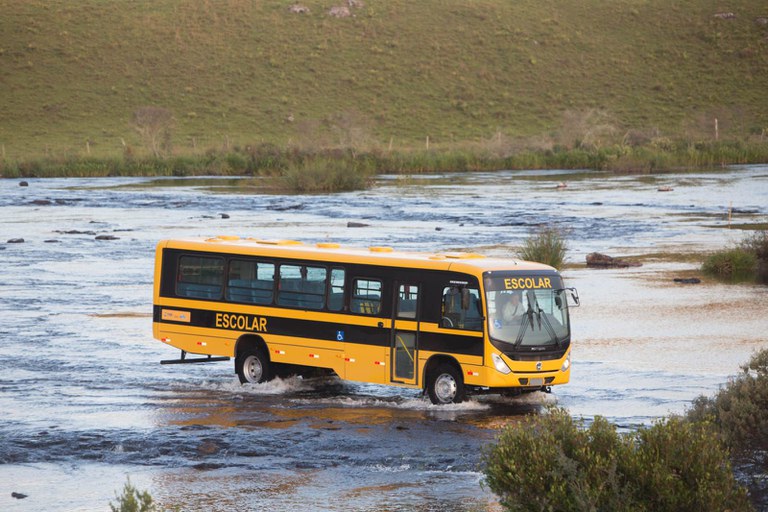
(465, 299)
(573, 297)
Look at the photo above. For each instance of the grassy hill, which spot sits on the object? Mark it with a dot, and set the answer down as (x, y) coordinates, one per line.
(396, 72)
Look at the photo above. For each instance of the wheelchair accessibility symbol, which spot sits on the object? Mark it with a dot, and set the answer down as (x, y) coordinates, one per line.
(339, 335)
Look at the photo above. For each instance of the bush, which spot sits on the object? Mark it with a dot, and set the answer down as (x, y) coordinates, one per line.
(757, 244)
(551, 462)
(548, 246)
(736, 264)
(133, 500)
(740, 411)
(322, 174)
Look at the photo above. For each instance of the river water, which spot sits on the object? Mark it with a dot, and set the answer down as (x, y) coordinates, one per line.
(86, 404)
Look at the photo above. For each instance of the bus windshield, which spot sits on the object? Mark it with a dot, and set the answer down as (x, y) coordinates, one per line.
(527, 312)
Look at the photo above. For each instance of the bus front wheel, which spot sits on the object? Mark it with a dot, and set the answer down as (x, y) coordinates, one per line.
(253, 367)
(445, 385)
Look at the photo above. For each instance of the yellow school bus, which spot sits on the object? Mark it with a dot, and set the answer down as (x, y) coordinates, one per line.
(451, 324)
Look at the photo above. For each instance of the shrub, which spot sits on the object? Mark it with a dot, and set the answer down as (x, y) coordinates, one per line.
(155, 126)
(757, 244)
(322, 174)
(740, 411)
(547, 246)
(735, 264)
(133, 500)
(551, 462)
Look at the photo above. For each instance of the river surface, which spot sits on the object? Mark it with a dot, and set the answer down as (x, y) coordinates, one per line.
(85, 403)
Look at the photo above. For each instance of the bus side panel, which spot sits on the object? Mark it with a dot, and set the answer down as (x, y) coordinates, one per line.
(196, 340)
(367, 363)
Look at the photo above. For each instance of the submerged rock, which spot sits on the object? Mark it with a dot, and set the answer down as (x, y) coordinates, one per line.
(16, 241)
(598, 260)
(687, 280)
(23, 184)
(107, 237)
(74, 232)
(357, 225)
(208, 447)
(18, 495)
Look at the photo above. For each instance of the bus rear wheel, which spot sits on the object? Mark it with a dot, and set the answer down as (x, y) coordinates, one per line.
(253, 367)
(445, 385)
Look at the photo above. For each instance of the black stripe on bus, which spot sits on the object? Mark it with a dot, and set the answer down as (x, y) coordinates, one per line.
(326, 331)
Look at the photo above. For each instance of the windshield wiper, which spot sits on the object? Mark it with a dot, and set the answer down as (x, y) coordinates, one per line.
(537, 312)
(548, 325)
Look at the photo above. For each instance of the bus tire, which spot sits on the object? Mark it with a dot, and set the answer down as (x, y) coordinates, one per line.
(445, 385)
(253, 366)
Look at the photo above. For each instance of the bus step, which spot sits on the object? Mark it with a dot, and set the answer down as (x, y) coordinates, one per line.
(184, 360)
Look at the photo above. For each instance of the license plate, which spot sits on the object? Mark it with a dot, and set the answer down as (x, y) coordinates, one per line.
(536, 382)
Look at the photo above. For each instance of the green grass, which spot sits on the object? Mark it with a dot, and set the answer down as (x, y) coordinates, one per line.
(489, 76)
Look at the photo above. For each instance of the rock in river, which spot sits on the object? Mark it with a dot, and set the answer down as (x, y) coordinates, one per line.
(598, 260)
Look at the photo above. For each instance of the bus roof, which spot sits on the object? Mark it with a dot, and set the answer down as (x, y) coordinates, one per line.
(467, 262)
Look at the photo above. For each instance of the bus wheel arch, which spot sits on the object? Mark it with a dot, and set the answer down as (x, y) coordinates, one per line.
(252, 363)
(443, 380)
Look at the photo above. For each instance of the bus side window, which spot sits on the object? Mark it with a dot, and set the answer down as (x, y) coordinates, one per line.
(250, 282)
(200, 277)
(454, 315)
(336, 290)
(451, 311)
(302, 286)
(366, 297)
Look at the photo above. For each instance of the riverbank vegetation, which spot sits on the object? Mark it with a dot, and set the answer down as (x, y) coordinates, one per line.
(346, 168)
(747, 261)
(554, 462)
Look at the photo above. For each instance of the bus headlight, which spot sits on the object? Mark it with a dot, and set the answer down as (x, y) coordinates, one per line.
(566, 363)
(499, 363)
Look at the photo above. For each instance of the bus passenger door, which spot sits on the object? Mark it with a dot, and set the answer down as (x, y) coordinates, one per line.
(405, 334)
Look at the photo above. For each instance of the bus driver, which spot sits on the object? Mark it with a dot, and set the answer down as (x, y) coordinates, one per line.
(511, 307)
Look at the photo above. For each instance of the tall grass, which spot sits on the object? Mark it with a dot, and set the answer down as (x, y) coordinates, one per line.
(747, 261)
(270, 160)
(735, 265)
(547, 246)
(325, 175)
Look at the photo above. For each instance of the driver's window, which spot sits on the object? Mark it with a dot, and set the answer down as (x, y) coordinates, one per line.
(461, 308)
